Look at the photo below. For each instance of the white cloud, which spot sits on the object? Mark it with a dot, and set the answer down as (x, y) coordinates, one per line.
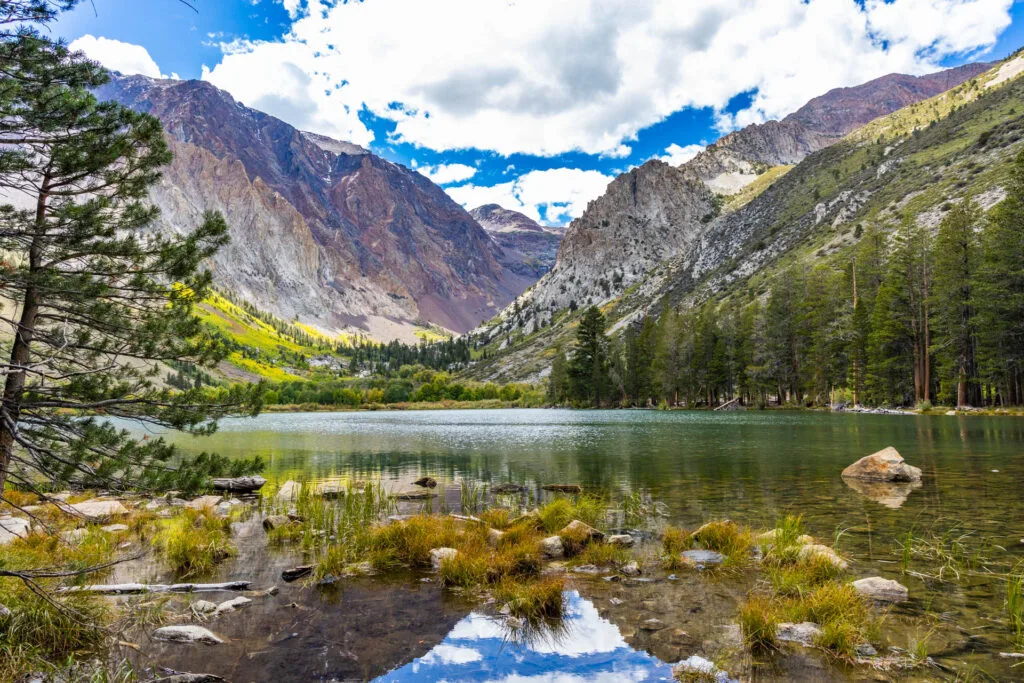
(554, 196)
(545, 78)
(118, 56)
(677, 154)
(446, 174)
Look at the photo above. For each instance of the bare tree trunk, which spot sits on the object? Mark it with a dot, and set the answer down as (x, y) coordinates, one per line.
(21, 349)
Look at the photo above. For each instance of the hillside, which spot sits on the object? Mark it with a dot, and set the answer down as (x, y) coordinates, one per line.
(528, 248)
(322, 231)
(913, 164)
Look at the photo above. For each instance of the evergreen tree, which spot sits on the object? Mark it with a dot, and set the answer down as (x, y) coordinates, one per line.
(558, 380)
(588, 367)
(957, 257)
(95, 299)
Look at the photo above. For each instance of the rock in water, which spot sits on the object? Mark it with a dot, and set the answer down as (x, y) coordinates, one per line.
(882, 590)
(439, 555)
(552, 548)
(296, 573)
(428, 482)
(232, 604)
(563, 488)
(289, 491)
(885, 465)
(625, 540)
(186, 633)
(414, 495)
(823, 551)
(507, 488)
(276, 521)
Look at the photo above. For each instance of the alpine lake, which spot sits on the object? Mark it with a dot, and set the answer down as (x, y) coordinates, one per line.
(952, 541)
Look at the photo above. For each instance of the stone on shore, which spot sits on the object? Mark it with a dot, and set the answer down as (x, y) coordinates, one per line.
(12, 528)
(114, 528)
(203, 502)
(552, 548)
(440, 555)
(494, 537)
(882, 590)
(187, 633)
(239, 484)
(823, 551)
(204, 606)
(702, 559)
(803, 633)
(624, 540)
(232, 604)
(885, 465)
(97, 510)
(276, 521)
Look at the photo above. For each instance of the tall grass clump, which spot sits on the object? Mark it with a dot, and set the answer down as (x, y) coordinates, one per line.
(559, 512)
(758, 620)
(727, 538)
(1015, 602)
(533, 602)
(195, 542)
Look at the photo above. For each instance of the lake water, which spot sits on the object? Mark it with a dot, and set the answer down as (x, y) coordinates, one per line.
(748, 466)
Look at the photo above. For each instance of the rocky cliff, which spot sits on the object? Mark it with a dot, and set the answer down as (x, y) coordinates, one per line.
(322, 230)
(528, 248)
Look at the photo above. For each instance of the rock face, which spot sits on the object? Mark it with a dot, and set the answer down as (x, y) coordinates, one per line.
(320, 229)
(528, 248)
(882, 590)
(886, 465)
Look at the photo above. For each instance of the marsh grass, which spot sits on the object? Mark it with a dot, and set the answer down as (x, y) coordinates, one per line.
(1015, 602)
(533, 602)
(195, 542)
(758, 619)
(946, 555)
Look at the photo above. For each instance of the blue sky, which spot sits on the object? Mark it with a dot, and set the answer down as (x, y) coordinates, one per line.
(533, 104)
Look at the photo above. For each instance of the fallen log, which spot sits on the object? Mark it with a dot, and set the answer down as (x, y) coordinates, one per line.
(134, 588)
(563, 488)
(239, 484)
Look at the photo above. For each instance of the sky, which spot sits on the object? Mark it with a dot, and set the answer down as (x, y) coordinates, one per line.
(535, 104)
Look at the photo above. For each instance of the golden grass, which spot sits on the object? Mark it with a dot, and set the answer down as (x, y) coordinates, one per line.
(195, 542)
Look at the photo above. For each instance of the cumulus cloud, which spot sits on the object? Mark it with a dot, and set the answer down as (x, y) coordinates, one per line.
(545, 78)
(118, 56)
(678, 154)
(446, 174)
(554, 196)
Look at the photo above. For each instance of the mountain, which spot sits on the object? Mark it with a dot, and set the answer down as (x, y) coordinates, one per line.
(915, 162)
(737, 159)
(322, 230)
(528, 248)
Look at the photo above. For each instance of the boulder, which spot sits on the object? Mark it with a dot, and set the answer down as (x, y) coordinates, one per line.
(12, 528)
(276, 521)
(885, 465)
(817, 550)
(702, 559)
(439, 555)
(427, 482)
(186, 633)
(624, 540)
(239, 484)
(288, 491)
(97, 510)
(203, 502)
(803, 633)
(578, 530)
(882, 590)
(204, 606)
(552, 548)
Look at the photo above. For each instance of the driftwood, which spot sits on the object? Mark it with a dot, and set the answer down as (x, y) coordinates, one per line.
(188, 678)
(132, 588)
(563, 488)
(239, 484)
(734, 404)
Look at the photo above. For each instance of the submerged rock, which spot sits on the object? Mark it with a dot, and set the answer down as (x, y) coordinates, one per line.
(296, 573)
(563, 488)
(885, 465)
(702, 559)
(428, 482)
(414, 495)
(439, 555)
(275, 522)
(552, 547)
(803, 633)
(232, 604)
(187, 633)
(503, 489)
(882, 590)
(891, 494)
(288, 491)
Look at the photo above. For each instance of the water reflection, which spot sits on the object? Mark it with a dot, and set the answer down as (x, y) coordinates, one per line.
(586, 648)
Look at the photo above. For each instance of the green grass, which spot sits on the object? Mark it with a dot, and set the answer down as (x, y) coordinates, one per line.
(758, 619)
(535, 602)
(195, 542)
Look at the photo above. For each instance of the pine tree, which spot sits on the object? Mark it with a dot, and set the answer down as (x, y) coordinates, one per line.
(558, 379)
(957, 257)
(588, 367)
(95, 299)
